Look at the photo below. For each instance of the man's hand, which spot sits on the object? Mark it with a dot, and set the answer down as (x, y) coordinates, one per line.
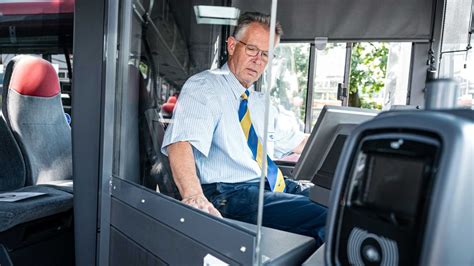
(184, 174)
(299, 149)
(200, 202)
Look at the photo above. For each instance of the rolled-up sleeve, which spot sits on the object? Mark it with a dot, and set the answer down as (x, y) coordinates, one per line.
(194, 117)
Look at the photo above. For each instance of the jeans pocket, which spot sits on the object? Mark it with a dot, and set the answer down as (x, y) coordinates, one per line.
(237, 202)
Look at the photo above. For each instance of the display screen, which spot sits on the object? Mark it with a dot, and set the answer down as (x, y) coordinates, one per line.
(325, 174)
(393, 183)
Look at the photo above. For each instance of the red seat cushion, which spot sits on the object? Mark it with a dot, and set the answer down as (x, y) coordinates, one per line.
(34, 76)
(171, 99)
(168, 107)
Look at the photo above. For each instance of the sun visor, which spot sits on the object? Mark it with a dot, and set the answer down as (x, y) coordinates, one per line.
(350, 19)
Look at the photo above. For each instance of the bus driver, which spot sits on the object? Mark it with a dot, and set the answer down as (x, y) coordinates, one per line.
(214, 142)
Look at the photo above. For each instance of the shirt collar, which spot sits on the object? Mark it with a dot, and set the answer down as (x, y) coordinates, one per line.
(236, 86)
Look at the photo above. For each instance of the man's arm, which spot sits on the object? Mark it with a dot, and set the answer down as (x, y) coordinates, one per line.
(184, 174)
(299, 149)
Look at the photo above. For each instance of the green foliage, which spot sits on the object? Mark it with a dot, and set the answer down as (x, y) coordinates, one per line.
(368, 70)
(143, 68)
(301, 62)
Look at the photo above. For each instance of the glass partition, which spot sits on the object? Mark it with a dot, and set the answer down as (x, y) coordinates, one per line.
(180, 82)
(129, 76)
(290, 80)
(154, 61)
(189, 121)
(286, 202)
(159, 49)
(289, 88)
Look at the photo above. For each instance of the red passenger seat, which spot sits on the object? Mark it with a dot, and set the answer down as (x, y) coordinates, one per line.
(34, 113)
(169, 105)
(35, 148)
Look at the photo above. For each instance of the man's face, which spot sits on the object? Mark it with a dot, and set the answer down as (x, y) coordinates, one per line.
(245, 67)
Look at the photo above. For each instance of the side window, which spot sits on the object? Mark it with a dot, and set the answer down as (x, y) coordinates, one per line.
(328, 70)
(61, 65)
(375, 75)
(379, 74)
(367, 77)
(397, 74)
(456, 62)
(466, 79)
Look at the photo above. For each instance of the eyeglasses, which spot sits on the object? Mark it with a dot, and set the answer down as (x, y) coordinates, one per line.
(252, 50)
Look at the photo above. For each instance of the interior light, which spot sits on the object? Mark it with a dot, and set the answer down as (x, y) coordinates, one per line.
(220, 15)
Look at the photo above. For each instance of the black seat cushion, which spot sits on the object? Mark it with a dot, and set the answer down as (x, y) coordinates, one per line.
(53, 202)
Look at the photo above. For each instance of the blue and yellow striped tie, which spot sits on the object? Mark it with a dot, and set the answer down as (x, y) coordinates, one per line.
(273, 174)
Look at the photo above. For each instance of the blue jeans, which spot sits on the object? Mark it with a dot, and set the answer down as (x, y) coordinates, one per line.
(291, 211)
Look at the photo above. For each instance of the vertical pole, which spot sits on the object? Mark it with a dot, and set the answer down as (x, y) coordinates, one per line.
(258, 259)
(437, 38)
(347, 74)
(310, 90)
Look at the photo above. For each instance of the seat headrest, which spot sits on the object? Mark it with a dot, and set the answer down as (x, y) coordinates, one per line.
(171, 99)
(33, 76)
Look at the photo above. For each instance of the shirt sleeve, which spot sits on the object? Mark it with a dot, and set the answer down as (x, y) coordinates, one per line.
(194, 117)
(287, 134)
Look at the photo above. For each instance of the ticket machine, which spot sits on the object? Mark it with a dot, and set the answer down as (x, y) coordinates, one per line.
(404, 192)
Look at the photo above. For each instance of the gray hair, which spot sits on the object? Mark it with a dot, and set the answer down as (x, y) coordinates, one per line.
(250, 17)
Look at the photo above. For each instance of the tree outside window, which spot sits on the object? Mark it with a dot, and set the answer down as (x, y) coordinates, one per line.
(368, 72)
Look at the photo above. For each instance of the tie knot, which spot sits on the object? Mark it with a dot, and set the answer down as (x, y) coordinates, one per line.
(245, 95)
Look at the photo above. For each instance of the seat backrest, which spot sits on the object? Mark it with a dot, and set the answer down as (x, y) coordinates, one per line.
(12, 166)
(33, 111)
(168, 107)
(172, 99)
(155, 169)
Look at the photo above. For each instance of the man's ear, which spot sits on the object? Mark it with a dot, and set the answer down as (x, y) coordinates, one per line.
(231, 42)
(277, 41)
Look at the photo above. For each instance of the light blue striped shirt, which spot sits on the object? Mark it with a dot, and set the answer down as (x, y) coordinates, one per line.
(206, 115)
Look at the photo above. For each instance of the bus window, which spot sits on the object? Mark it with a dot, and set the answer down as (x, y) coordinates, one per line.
(377, 78)
(459, 66)
(397, 73)
(329, 68)
(379, 74)
(457, 61)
